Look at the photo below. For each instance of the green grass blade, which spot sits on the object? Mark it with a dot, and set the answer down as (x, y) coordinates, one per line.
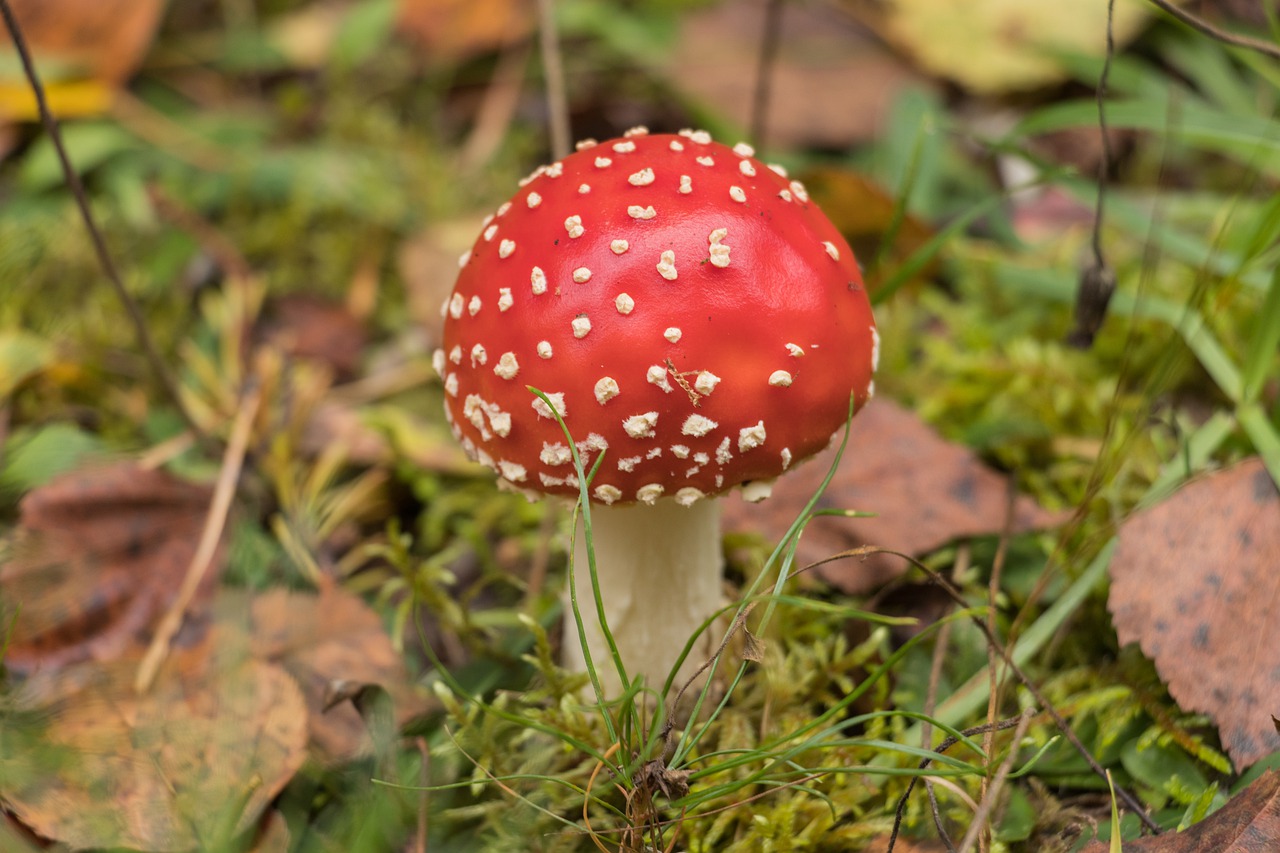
(1264, 436)
(1262, 351)
(1241, 137)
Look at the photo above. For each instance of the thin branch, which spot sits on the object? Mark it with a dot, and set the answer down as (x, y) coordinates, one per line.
(940, 651)
(82, 203)
(1097, 281)
(901, 811)
(1202, 26)
(993, 793)
(1034, 689)
(770, 40)
(993, 594)
(553, 70)
(215, 522)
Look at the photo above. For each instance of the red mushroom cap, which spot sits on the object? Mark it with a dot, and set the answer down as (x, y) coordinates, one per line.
(685, 307)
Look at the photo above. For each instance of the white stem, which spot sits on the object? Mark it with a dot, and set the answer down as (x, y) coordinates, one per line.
(659, 570)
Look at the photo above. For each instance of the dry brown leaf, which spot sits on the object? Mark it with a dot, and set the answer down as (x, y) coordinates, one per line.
(315, 328)
(99, 555)
(84, 49)
(1196, 583)
(333, 636)
(926, 492)
(864, 212)
(831, 84)
(451, 30)
(203, 753)
(1249, 823)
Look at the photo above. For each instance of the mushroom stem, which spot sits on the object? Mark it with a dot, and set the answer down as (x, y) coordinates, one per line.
(659, 568)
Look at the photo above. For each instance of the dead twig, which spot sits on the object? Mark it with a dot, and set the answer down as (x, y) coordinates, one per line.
(1097, 281)
(978, 826)
(739, 622)
(586, 797)
(1203, 27)
(553, 70)
(72, 178)
(215, 521)
(931, 697)
(993, 594)
(497, 108)
(767, 59)
(901, 811)
(1034, 689)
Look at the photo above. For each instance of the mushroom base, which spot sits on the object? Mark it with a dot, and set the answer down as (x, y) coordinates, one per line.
(659, 569)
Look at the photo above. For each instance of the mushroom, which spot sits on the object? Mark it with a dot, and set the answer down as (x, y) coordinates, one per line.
(689, 313)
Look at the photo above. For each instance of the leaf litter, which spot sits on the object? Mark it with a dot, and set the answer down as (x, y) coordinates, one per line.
(99, 555)
(1248, 823)
(1196, 583)
(191, 762)
(924, 490)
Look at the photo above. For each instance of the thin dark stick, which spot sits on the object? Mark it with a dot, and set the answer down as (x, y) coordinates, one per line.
(1200, 25)
(993, 594)
(82, 202)
(1104, 166)
(553, 70)
(901, 812)
(1098, 281)
(770, 39)
(957, 596)
(988, 804)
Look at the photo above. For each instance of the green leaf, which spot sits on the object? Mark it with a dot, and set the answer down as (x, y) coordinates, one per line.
(22, 355)
(1262, 351)
(1164, 768)
(32, 459)
(1248, 138)
(365, 31)
(88, 144)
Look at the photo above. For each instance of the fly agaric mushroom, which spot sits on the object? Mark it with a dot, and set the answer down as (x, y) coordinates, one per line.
(689, 313)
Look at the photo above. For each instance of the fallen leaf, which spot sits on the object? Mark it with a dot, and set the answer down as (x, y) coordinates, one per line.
(327, 638)
(83, 49)
(1248, 823)
(992, 46)
(925, 491)
(1196, 583)
(831, 84)
(199, 756)
(99, 554)
(864, 211)
(451, 30)
(312, 327)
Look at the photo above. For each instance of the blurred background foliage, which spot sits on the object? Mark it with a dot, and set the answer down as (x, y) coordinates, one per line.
(300, 176)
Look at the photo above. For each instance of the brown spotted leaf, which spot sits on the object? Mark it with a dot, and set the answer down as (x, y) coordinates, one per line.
(1196, 583)
(327, 638)
(313, 327)
(926, 492)
(100, 553)
(198, 757)
(1249, 823)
